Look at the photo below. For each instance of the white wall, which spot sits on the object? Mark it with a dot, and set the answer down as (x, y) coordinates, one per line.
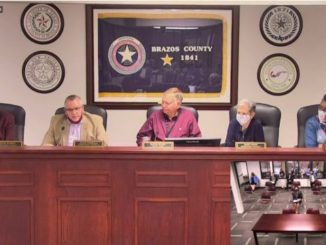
(15, 48)
(309, 51)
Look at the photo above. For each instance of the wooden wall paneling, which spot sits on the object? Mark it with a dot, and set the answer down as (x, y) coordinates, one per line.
(122, 195)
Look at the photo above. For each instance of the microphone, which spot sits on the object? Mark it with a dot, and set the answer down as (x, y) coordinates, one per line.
(155, 136)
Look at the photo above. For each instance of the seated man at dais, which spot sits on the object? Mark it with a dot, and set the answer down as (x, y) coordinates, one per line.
(244, 128)
(315, 128)
(172, 121)
(75, 124)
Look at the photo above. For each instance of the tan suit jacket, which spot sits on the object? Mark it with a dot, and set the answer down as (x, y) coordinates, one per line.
(91, 129)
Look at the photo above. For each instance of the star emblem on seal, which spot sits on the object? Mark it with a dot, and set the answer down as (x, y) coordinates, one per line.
(281, 25)
(126, 55)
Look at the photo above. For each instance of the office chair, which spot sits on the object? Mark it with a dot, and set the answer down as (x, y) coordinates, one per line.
(313, 211)
(248, 189)
(288, 211)
(265, 197)
(303, 114)
(91, 109)
(151, 109)
(19, 114)
(270, 118)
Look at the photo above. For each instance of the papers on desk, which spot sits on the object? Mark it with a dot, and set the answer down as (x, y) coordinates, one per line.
(297, 200)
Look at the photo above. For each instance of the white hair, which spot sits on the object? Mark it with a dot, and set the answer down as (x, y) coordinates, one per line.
(249, 103)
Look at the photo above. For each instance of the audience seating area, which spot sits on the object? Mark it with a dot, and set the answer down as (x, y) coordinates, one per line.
(263, 201)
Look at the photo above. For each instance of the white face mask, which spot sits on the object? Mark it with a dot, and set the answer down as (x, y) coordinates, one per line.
(321, 116)
(243, 119)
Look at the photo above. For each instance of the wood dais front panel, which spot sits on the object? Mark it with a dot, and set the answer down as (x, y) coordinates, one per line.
(121, 195)
(84, 221)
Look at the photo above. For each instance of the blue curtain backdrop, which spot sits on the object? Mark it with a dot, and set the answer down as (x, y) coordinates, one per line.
(173, 53)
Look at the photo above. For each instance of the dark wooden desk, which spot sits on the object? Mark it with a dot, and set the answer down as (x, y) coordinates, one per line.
(121, 195)
(283, 223)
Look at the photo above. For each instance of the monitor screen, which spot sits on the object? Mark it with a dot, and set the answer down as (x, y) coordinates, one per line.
(195, 141)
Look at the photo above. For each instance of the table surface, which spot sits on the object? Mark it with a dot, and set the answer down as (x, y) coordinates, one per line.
(291, 222)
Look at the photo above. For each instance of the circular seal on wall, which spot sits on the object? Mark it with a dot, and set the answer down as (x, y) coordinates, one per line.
(126, 55)
(281, 25)
(42, 23)
(43, 71)
(278, 74)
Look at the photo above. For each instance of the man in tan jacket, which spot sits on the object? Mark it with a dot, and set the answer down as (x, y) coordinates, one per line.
(75, 124)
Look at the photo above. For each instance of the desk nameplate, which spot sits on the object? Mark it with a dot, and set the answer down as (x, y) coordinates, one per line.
(250, 145)
(95, 143)
(10, 143)
(158, 145)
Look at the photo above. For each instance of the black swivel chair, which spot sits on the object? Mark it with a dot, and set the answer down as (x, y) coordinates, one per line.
(151, 109)
(303, 114)
(19, 114)
(91, 109)
(270, 118)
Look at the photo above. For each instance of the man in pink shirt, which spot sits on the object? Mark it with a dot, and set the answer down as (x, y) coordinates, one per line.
(171, 121)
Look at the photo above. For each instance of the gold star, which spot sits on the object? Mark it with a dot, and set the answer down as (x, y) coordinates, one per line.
(126, 54)
(167, 60)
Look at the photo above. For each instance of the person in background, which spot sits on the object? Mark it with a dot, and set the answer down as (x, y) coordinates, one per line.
(254, 181)
(75, 124)
(171, 121)
(244, 127)
(290, 179)
(282, 174)
(7, 126)
(315, 128)
(297, 197)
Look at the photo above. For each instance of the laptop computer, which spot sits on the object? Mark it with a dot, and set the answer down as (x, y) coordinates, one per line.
(194, 141)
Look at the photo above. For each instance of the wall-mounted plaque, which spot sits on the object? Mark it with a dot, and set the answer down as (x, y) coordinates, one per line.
(43, 71)
(42, 23)
(278, 74)
(281, 25)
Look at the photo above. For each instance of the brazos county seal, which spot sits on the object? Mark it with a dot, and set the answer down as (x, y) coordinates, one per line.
(126, 55)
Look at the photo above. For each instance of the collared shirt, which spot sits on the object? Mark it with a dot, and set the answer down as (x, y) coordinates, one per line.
(314, 132)
(254, 133)
(74, 133)
(159, 127)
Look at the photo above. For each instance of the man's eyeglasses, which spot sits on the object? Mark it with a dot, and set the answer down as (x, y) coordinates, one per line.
(73, 109)
(166, 103)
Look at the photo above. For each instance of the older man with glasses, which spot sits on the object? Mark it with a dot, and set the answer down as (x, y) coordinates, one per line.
(172, 121)
(75, 124)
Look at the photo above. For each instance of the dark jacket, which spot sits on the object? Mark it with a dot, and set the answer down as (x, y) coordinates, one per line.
(7, 126)
(254, 133)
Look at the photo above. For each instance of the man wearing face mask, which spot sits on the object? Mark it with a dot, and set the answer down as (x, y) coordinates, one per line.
(315, 129)
(244, 127)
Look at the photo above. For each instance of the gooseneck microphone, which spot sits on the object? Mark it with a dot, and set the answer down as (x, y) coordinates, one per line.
(155, 136)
